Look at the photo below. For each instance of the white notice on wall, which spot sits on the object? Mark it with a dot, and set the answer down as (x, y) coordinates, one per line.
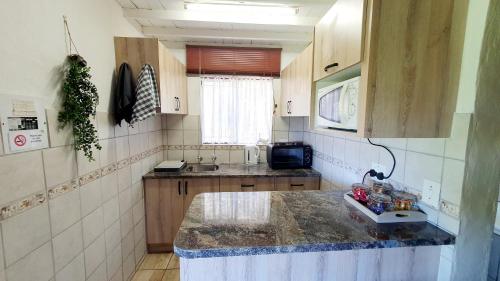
(26, 140)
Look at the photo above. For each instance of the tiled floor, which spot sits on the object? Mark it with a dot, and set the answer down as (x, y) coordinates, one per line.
(158, 267)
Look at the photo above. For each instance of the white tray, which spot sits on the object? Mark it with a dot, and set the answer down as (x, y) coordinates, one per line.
(387, 217)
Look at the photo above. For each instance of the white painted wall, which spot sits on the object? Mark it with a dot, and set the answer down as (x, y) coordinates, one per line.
(33, 44)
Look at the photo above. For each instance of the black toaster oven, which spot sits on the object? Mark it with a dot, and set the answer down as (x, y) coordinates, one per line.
(289, 155)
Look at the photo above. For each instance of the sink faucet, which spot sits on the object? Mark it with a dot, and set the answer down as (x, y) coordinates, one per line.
(199, 158)
(214, 158)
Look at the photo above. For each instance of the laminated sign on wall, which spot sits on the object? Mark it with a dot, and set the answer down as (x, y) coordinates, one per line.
(23, 122)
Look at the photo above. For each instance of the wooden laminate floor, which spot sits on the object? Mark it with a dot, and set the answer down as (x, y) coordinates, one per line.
(158, 267)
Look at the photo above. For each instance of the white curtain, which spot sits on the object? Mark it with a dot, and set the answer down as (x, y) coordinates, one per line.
(236, 109)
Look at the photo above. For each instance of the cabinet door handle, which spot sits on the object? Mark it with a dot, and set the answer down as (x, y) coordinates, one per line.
(185, 187)
(297, 185)
(179, 104)
(330, 66)
(249, 186)
(290, 108)
(179, 187)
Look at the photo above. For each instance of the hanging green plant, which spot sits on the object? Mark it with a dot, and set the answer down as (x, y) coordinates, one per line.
(79, 104)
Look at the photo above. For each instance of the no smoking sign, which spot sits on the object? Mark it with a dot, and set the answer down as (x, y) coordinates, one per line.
(20, 140)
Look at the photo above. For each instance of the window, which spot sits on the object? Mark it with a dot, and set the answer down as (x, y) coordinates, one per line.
(236, 109)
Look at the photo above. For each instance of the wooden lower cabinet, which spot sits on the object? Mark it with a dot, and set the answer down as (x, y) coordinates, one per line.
(296, 183)
(246, 184)
(167, 200)
(195, 186)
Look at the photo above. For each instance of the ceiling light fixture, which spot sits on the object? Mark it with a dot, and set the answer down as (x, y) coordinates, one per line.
(242, 8)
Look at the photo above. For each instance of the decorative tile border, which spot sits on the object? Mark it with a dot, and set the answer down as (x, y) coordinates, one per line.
(63, 188)
(450, 209)
(22, 205)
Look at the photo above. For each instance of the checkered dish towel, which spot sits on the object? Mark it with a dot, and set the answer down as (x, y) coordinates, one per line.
(147, 95)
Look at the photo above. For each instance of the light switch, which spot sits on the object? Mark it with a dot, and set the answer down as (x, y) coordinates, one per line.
(430, 193)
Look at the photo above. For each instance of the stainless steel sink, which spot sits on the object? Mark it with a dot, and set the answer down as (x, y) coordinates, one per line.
(202, 168)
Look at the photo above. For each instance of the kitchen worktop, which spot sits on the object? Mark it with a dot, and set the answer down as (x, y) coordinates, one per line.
(257, 223)
(237, 170)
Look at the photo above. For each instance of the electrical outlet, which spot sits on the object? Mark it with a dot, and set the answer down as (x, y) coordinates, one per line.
(430, 193)
(380, 168)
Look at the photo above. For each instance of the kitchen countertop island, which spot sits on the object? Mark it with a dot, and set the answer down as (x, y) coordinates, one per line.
(310, 235)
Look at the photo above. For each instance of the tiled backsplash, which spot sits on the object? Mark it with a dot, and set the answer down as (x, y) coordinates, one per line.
(344, 160)
(182, 139)
(64, 217)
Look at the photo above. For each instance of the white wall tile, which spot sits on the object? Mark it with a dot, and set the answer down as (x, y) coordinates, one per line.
(392, 143)
(295, 136)
(136, 144)
(140, 251)
(387, 161)
(90, 196)
(448, 223)
(111, 211)
(128, 245)
(328, 145)
(105, 125)
(64, 211)
(126, 223)
(453, 177)
(222, 156)
(67, 246)
(175, 137)
(122, 148)
(21, 174)
(35, 266)
(339, 148)
(2, 269)
(124, 178)
(107, 153)
(139, 231)
(125, 200)
(191, 122)
(281, 123)
(429, 146)
(25, 232)
(296, 124)
(59, 165)
(138, 211)
(93, 226)
(95, 254)
(422, 166)
(74, 271)
(57, 136)
(85, 165)
(175, 155)
(132, 130)
(280, 136)
(351, 156)
(444, 270)
(99, 274)
(109, 186)
(128, 266)
(456, 144)
(114, 262)
(136, 192)
(236, 156)
(118, 275)
(113, 236)
(368, 154)
(174, 122)
(191, 137)
(206, 154)
(122, 130)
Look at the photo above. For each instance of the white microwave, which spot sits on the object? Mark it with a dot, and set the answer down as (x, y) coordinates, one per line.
(337, 105)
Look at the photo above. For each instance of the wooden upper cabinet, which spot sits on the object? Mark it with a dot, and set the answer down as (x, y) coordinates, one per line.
(170, 72)
(296, 85)
(338, 38)
(411, 68)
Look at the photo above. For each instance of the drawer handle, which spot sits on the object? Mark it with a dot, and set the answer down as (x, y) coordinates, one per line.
(297, 185)
(186, 187)
(330, 66)
(247, 185)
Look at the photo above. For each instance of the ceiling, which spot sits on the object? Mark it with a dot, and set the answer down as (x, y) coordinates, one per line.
(175, 26)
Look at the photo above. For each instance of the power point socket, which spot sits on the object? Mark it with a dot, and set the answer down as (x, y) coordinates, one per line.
(430, 193)
(380, 168)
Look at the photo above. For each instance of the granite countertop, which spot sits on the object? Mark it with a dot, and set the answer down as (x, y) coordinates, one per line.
(237, 170)
(256, 223)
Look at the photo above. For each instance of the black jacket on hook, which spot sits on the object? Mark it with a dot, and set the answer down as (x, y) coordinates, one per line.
(124, 95)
